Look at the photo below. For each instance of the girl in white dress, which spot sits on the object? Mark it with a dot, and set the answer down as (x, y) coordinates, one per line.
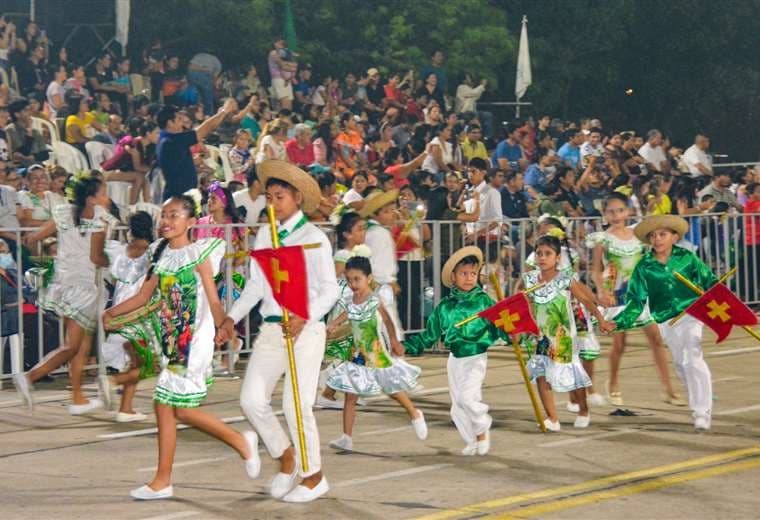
(181, 279)
(73, 293)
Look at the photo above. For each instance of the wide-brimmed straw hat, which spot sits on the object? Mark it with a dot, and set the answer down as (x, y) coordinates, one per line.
(376, 201)
(447, 273)
(654, 222)
(296, 177)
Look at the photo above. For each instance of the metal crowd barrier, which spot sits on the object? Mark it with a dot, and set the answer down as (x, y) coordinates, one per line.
(720, 240)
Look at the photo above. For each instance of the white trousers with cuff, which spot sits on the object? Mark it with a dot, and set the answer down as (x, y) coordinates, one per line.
(466, 376)
(268, 363)
(684, 341)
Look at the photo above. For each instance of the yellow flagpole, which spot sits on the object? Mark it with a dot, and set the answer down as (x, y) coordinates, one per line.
(291, 354)
(521, 361)
(697, 289)
(723, 278)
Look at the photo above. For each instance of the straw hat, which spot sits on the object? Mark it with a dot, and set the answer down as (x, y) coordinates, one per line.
(296, 177)
(654, 222)
(447, 273)
(376, 201)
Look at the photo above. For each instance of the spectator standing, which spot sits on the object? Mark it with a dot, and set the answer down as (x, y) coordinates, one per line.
(55, 92)
(302, 89)
(467, 95)
(32, 72)
(282, 67)
(653, 153)
(437, 68)
(101, 78)
(696, 158)
(203, 72)
(375, 95)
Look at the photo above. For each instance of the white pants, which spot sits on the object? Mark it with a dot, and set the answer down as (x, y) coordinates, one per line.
(268, 362)
(684, 340)
(466, 376)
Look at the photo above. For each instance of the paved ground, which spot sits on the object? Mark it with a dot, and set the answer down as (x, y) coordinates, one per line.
(650, 466)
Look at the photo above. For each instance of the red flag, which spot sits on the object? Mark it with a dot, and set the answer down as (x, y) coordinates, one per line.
(285, 269)
(720, 309)
(512, 315)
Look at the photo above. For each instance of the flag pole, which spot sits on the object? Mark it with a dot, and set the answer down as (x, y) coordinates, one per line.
(697, 289)
(291, 354)
(723, 278)
(520, 360)
(476, 316)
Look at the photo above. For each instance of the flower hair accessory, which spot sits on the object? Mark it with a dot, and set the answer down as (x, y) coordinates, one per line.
(197, 197)
(71, 184)
(556, 233)
(362, 250)
(562, 220)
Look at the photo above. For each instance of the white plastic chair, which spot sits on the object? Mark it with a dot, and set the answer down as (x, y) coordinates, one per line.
(98, 152)
(41, 124)
(224, 155)
(69, 158)
(151, 209)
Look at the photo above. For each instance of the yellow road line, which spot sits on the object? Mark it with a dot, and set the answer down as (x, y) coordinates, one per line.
(589, 485)
(627, 490)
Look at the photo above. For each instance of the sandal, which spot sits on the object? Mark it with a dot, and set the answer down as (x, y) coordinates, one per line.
(615, 398)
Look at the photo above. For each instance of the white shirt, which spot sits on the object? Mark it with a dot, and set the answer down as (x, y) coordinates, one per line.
(695, 155)
(53, 89)
(467, 97)
(352, 196)
(588, 149)
(383, 257)
(653, 155)
(320, 272)
(430, 165)
(490, 208)
(252, 207)
(277, 147)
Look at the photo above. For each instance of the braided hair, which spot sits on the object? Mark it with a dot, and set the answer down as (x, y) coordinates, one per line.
(84, 189)
(188, 205)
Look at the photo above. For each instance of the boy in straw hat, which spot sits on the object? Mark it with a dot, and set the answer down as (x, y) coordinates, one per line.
(293, 193)
(467, 344)
(653, 281)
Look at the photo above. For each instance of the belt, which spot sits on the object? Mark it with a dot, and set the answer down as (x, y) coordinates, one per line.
(273, 319)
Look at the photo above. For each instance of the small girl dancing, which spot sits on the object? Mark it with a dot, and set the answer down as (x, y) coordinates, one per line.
(372, 369)
(183, 274)
(555, 364)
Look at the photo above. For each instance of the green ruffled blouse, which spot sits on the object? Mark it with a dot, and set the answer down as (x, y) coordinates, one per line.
(468, 340)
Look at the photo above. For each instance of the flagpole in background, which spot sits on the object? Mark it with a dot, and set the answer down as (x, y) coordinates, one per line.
(523, 78)
(291, 354)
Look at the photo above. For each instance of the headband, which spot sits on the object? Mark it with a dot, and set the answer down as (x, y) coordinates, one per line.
(217, 190)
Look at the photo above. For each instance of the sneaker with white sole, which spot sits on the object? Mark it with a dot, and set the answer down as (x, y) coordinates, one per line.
(470, 449)
(332, 404)
(484, 445)
(582, 421)
(146, 493)
(552, 426)
(573, 407)
(282, 483)
(595, 399)
(303, 494)
(420, 426)
(81, 409)
(123, 417)
(24, 389)
(252, 463)
(344, 442)
(702, 423)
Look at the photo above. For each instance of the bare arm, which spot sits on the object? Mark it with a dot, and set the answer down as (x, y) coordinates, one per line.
(337, 322)
(396, 346)
(584, 295)
(97, 249)
(135, 302)
(597, 275)
(45, 231)
(207, 279)
(407, 168)
(213, 122)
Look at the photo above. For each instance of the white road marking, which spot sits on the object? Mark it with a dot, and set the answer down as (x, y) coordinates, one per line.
(736, 411)
(150, 431)
(585, 438)
(392, 474)
(724, 379)
(37, 400)
(733, 351)
(173, 516)
(189, 463)
(426, 391)
(399, 428)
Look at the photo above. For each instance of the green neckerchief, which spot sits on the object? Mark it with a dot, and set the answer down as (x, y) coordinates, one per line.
(284, 233)
(373, 223)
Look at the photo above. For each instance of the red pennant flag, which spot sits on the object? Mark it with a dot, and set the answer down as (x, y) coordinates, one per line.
(720, 309)
(285, 269)
(512, 315)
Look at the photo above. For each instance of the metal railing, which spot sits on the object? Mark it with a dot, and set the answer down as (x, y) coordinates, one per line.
(720, 240)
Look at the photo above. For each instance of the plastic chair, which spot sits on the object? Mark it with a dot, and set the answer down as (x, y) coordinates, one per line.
(224, 155)
(41, 124)
(69, 158)
(118, 191)
(151, 209)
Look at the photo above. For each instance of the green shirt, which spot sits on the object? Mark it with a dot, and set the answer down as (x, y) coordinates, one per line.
(468, 340)
(655, 281)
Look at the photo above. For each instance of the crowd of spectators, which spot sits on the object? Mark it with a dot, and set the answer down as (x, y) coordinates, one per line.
(169, 125)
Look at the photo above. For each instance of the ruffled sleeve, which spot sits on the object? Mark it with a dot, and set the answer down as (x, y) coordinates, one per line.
(114, 249)
(211, 249)
(63, 215)
(342, 256)
(597, 238)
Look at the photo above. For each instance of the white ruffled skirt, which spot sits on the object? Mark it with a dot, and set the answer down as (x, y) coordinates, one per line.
(351, 378)
(563, 377)
(78, 302)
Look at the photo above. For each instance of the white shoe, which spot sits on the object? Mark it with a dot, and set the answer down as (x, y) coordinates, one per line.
(484, 445)
(146, 493)
(282, 483)
(24, 390)
(582, 421)
(252, 463)
(80, 409)
(303, 494)
(333, 404)
(702, 422)
(595, 399)
(470, 449)
(573, 407)
(551, 425)
(344, 442)
(359, 402)
(130, 417)
(104, 387)
(420, 426)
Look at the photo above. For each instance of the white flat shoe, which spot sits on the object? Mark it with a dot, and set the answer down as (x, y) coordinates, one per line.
(582, 421)
(470, 449)
(146, 493)
(303, 494)
(344, 442)
(252, 463)
(484, 445)
(24, 390)
(123, 417)
(104, 387)
(595, 399)
(702, 423)
(80, 409)
(551, 425)
(573, 407)
(420, 426)
(282, 483)
(331, 404)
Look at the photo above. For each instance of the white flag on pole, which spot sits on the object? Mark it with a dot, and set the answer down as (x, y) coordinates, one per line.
(523, 78)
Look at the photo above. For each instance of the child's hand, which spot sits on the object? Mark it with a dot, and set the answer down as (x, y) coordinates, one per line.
(607, 326)
(106, 318)
(225, 332)
(606, 299)
(295, 326)
(397, 347)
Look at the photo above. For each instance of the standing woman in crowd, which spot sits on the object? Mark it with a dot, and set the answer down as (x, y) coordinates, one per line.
(440, 152)
(324, 152)
(73, 292)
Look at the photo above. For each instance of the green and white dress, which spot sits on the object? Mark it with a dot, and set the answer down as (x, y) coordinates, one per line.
(185, 323)
(371, 369)
(619, 260)
(339, 347)
(555, 352)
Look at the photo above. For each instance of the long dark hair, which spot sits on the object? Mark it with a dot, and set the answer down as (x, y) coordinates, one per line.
(323, 131)
(188, 204)
(141, 226)
(550, 241)
(347, 222)
(83, 189)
